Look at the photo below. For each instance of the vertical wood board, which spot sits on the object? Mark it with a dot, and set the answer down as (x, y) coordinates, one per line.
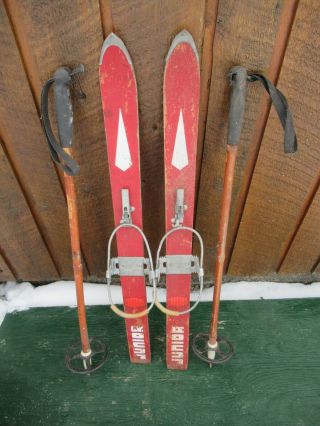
(71, 33)
(19, 235)
(241, 31)
(5, 272)
(281, 182)
(25, 143)
(305, 249)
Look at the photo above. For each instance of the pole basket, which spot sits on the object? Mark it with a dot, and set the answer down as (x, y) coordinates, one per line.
(81, 363)
(219, 355)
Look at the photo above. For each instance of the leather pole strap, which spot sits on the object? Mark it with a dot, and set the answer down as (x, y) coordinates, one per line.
(281, 106)
(238, 78)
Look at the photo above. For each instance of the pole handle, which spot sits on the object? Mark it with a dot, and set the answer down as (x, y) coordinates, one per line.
(63, 106)
(63, 78)
(238, 78)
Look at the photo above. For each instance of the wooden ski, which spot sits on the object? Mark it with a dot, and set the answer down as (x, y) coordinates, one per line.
(120, 110)
(181, 93)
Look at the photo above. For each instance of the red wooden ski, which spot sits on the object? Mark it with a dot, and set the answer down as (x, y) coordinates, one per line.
(181, 93)
(120, 110)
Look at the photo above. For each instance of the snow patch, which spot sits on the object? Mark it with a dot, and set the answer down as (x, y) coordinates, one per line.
(18, 297)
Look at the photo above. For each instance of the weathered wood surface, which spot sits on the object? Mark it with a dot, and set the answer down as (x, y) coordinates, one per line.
(303, 254)
(267, 382)
(242, 28)
(71, 33)
(281, 183)
(24, 246)
(272, 213)
(25, 145)
(317, 268)
(6, 274)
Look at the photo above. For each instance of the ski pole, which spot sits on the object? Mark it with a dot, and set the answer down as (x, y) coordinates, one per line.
(64, 121)
(212, 348)
(82, 362)
(237, 107)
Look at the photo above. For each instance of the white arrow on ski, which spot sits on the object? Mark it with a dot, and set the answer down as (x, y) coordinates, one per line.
(123, 157)
(180, 153)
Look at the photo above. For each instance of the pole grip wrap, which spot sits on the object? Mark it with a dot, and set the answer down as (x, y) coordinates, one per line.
(238, 79)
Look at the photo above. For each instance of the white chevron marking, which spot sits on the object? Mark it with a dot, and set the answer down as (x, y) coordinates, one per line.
(123, 157)
(180, 154)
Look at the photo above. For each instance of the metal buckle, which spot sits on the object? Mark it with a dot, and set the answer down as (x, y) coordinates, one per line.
(126, 208)
(179, 209)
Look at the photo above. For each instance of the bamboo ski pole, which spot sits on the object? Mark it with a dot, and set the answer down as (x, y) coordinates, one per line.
(206, 347)
(76, 260)
(86, 361)
(238, 76)
(222, 240)
(64, 115)
(212, 348)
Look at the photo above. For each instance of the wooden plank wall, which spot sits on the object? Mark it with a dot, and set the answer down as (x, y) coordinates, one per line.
(274, 228)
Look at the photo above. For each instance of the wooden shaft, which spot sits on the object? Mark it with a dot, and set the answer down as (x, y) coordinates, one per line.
(76, 257)
(222, 238)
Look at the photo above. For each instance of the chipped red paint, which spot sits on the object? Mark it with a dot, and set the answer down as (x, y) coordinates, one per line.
(119, 92)
(181, 93)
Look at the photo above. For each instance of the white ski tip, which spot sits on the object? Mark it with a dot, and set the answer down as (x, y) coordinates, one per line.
(183, 37)
(114, 40)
